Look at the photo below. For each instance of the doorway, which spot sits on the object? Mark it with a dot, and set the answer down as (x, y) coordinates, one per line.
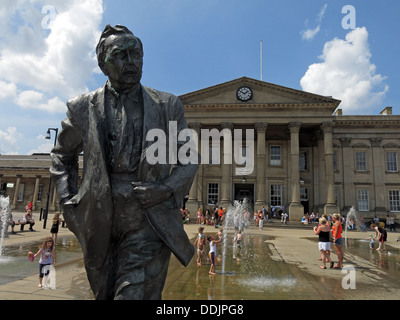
(245, 190)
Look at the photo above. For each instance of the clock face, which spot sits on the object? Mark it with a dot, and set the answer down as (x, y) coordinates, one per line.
(244, 94)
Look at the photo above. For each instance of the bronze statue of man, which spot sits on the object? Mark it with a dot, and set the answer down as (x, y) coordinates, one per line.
(125, 211)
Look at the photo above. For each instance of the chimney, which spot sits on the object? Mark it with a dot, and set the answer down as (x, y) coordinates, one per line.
(386, 111)
(339, 112)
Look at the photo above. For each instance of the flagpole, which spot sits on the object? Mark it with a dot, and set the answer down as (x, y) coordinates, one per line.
(261, 58)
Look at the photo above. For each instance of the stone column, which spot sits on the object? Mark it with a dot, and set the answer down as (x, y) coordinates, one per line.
(226, 181)
(378, 169)
(54, 200)
(348, 171)
(296, 209)
(330, 205)
(17, 184)
(261, 128)
(193, 202)
(35, 192)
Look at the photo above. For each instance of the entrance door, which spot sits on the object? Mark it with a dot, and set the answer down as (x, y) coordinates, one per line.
(243, 190)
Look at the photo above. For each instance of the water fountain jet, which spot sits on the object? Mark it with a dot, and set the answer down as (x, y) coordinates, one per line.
(4, 211)
(234, 219)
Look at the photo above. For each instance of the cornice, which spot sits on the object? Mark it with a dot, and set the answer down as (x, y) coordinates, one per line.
(255, 107)
(368, 122)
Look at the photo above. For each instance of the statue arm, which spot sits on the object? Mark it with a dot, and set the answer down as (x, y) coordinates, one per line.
(64, 156)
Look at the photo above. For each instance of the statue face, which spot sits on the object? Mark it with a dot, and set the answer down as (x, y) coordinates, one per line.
(123, 60)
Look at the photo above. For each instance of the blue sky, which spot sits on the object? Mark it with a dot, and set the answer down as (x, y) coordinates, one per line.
(47, 53)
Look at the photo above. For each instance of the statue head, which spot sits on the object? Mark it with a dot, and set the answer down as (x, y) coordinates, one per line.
(120, 56)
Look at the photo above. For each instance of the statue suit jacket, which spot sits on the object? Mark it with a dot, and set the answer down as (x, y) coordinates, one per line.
(89, 218)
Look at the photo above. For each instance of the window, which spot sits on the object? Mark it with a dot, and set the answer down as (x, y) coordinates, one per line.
(337, 197)
(212, 194)
(391, 162)
(21, 192)
(361, 161)
(40, 193)
(303, 160)
(303, 194)
(3, 188)
(394, 200)
(362, 198)
(275, 156)
(335, 168)
(276, 195)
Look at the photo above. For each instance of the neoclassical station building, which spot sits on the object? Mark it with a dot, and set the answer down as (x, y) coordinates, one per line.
(298, 152)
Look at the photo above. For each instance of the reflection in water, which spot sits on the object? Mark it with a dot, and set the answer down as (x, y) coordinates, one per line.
(15, 265)
(251, 274)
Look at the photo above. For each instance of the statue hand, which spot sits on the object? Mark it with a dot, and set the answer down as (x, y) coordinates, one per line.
(69, 203)
(150, 194)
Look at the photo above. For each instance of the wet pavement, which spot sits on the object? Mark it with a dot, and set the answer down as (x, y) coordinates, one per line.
(274, 263)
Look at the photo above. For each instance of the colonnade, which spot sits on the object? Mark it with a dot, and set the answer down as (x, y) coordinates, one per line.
(296, 210)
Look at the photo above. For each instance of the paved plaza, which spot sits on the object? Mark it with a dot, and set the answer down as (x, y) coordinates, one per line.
(293, 247)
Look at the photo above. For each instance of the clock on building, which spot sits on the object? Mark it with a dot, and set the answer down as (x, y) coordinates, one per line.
(244, 94)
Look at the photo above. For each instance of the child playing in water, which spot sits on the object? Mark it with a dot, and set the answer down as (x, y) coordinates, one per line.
(200, 242)
(47, 257)
(212, 253)
(238, 238)
(371, 242)
(220, 234)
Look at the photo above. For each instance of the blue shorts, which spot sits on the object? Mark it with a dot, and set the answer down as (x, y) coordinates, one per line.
(212, 257)
(339, 241)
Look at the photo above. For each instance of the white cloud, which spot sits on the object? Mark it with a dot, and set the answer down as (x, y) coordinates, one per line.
(8, 140)
(346, 73)
(45, 147)
(309, 34)
(55, 62)
(31, 99)
(28, 98)
(7, 90)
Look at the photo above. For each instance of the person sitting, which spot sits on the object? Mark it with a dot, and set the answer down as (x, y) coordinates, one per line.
(29, 219)
(304, 219)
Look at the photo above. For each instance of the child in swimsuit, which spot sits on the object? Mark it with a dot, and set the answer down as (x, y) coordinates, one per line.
(200, 242)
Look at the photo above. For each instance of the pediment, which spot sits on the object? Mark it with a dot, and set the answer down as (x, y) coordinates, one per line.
(391, 145)
(264, 93)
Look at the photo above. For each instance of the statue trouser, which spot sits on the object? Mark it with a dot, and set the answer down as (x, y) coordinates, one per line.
(137, 261)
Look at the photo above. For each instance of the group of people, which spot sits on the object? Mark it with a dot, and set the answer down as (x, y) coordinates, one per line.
(27, 219)
(213, 217)
(200, 245)
(327, 231)
(330, 230)
(310, 218)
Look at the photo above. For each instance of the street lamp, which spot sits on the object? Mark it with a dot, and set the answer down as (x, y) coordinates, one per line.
(48, 136)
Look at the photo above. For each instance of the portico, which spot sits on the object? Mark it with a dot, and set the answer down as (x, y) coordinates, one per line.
(285, 122)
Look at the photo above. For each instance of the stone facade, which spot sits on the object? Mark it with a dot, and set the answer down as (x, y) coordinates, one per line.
(307, 156)
(26, 179)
